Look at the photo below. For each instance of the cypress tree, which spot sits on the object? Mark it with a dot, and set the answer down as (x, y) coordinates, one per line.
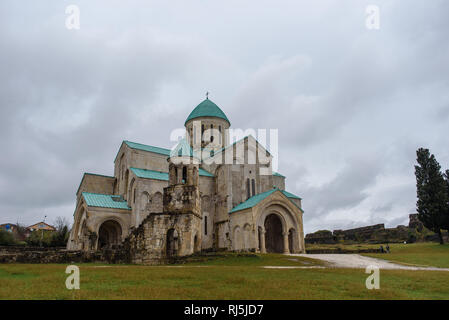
(432, 193)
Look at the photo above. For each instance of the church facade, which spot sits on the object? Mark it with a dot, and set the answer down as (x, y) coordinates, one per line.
(204, 194)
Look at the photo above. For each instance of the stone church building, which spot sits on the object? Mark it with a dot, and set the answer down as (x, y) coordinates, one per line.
(204, 194)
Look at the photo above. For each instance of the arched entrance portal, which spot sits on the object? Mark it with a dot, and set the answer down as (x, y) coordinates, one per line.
(109, 234)
(274, 241)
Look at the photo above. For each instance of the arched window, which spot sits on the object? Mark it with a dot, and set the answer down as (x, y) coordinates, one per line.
(205, 225)
(253, 185)
(248, 191)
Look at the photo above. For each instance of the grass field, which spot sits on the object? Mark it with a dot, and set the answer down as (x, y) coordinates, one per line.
(228, 277)
(421, 254)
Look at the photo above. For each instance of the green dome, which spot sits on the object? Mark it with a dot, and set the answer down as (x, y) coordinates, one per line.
(207, 109)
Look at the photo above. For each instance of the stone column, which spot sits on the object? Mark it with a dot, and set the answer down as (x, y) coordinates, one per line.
(285, 234)
(262, 242)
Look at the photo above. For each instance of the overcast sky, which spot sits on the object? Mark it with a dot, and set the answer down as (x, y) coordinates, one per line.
(352, 105)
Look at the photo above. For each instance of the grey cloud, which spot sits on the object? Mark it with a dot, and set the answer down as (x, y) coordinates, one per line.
(347, 102)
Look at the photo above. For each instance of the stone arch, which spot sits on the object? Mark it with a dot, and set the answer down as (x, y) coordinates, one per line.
(238, 238)
(274, 241)
(172, 243)
(288, 218)
(196, 243)
(84, 236)
(82, 216)
(131, 192)
(205, 203)
(156, 202)
(109, 234)
(144, 200)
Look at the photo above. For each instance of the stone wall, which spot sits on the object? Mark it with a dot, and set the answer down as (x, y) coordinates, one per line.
(148, 243)
(20, 254)
(414, 232)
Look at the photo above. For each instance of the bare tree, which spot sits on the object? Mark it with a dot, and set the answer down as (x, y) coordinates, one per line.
(60, 223)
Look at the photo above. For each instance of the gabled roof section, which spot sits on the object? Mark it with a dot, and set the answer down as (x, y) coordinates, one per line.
(105, 201)
(163, 176)
(234, 143)
(207, 109)
(254, 200)
(251, 202)
(91, 174)
(144, 147)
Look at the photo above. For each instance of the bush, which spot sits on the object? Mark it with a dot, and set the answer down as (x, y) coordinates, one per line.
(39, 237)
(56, 238)
(6, 238)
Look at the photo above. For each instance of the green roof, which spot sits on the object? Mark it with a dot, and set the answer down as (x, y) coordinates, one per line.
(150, 174)
(105, 201)
(207, 109)
(290, 195)
(205, 173)
(251, 202)
(144, 147)
(277, 174)
(158, 175)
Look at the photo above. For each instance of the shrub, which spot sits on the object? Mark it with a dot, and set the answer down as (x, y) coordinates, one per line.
(6, 238)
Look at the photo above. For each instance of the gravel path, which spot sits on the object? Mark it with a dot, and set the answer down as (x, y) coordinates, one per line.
(360, 262)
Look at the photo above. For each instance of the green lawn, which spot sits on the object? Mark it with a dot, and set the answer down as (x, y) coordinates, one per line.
(226, 277)
(422, 254)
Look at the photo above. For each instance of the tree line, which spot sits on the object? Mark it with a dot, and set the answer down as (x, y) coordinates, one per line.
(38, 238)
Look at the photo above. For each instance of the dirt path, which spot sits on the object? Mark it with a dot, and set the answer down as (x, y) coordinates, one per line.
(360, 262)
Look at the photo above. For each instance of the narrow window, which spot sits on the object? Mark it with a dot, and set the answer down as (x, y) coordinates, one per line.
(134, 200)
(205, 225)
(248, 195)
(202, 132)
(253, 184)
(184, 174)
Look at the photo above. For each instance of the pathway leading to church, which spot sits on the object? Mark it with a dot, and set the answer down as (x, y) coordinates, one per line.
(360, 262)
